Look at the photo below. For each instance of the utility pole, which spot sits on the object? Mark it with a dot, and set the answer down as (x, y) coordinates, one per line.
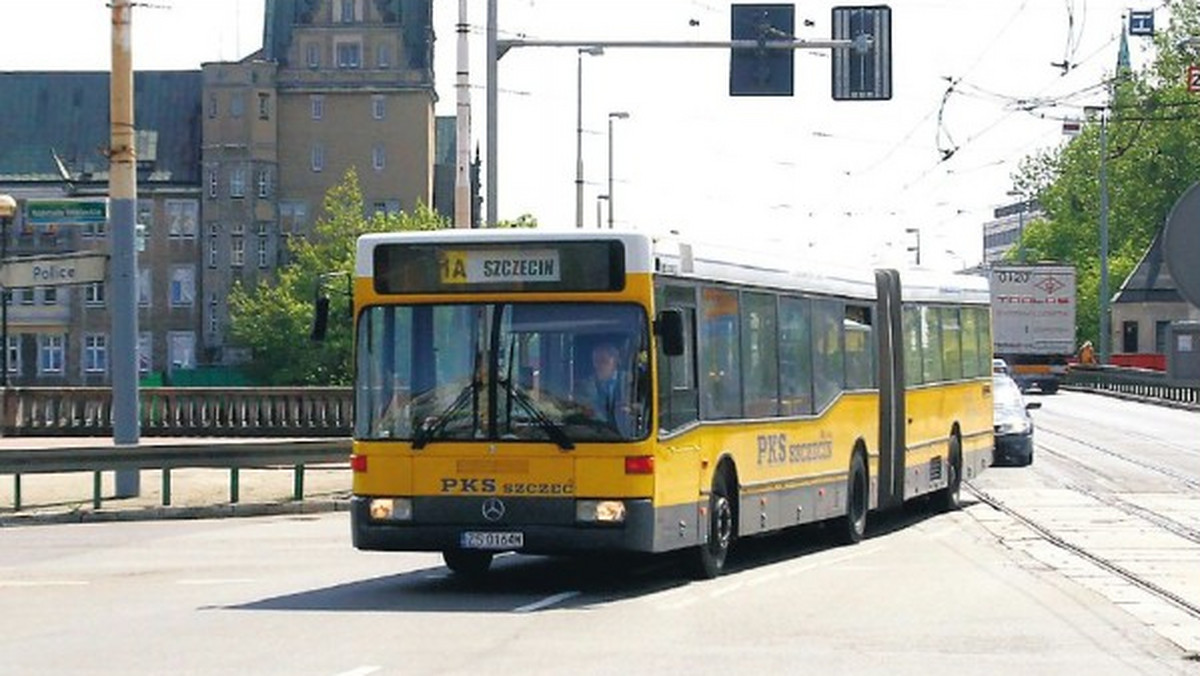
(122, 189)
(493, 114)
(462, 168)
(1105, 328)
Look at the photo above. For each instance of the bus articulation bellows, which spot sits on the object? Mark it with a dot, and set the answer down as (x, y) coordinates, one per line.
(576, 392)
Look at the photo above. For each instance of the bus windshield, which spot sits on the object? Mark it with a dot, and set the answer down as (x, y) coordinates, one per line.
(555, 372)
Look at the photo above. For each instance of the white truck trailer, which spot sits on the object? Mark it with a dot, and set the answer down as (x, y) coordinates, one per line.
(1033, 321)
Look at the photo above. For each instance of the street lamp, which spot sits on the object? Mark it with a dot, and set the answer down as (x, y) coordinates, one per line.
(591, 51)
(8, 207)
(618, 115)
(599, 199)
(917, 248)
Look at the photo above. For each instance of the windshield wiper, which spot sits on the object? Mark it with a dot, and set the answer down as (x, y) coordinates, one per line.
(424, 433)
(553, 429)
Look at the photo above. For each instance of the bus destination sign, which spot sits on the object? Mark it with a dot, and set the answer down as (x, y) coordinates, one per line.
(494, 267)
(499, 266)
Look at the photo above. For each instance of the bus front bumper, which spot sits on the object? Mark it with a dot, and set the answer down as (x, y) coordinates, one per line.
(546, 526)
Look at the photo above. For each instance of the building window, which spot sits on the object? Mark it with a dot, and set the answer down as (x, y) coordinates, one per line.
(378, 107)
(93, 294)
(237, 252)
(347, 11)
(213, 244)
(349, 55)
(313, 55)
(14, 353)
(212, 183)
(27, 296)
(181, 218)
(146, 214)
(213, 305)
(181, 346)
(378, 159)
(95, 353)
(237, 105)
(51, 355)
(383, 56)
(317, 106)
(237, 182)
(318, 158)
(292, 217)
(145, 352)
(212, 106)
(50, 296)
(143, 286)
(264, 183)
(264, 106)
(262, 251)
(183, 286)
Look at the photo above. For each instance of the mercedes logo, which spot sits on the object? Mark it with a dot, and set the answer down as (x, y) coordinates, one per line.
(493, 509)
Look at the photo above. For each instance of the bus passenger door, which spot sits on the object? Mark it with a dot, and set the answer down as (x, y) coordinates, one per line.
(892, 423)
(679, 475)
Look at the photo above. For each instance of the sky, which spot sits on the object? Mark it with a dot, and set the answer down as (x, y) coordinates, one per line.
(803, 175)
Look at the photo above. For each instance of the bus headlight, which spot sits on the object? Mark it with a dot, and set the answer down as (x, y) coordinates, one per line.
(390, 509)
(600, 511)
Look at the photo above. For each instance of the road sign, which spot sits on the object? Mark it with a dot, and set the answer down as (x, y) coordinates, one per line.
(53, 270)
(863, 72)
(1193, 78)
(762, 70)
(66, 212)
(1181, 244)
(1141, 22)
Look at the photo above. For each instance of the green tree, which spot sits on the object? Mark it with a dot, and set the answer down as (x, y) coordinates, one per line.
(1153, 156)
(274, 318)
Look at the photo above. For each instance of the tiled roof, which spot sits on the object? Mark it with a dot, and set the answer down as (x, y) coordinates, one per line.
(66, 114)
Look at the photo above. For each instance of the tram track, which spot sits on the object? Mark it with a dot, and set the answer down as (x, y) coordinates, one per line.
(1133, 460)
(1105, 563)
(1116, 502)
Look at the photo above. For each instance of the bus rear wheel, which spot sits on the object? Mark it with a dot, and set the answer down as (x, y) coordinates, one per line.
(708, 560)
(853, 526)
(467, 563)
(950, 498)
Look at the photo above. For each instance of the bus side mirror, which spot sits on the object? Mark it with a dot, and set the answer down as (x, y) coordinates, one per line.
(669, 327)
(320, 318)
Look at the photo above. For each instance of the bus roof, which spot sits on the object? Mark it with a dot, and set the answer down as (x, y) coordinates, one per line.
(675, 257)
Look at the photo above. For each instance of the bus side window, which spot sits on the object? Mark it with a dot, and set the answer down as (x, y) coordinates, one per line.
(678, 400)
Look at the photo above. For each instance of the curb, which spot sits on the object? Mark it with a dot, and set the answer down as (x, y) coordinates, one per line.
(235, 510)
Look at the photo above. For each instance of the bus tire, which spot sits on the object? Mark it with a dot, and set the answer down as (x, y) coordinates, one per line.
(949, 499)
(853, 526)
(708, 559)
(467, 563)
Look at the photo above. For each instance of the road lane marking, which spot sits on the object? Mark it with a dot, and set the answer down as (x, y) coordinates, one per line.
(360, 671)
(546, 602)
(43, 583)
(215, 581)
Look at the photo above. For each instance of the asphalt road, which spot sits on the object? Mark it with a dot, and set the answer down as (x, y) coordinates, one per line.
(975, 592)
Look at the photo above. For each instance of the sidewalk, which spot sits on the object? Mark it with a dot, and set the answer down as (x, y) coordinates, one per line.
(195, 493)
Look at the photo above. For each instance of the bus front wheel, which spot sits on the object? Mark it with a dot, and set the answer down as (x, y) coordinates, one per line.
(467, 563)
(709, 558)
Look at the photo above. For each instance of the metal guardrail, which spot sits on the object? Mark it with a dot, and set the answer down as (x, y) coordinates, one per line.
(1142, 384)
(183, 411)
(226, 454)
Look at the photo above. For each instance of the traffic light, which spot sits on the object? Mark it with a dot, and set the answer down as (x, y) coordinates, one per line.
(762, 70)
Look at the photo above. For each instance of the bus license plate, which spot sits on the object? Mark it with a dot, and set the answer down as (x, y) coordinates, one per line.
(492, 540)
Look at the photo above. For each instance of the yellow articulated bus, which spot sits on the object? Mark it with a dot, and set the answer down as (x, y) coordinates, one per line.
(577, 392)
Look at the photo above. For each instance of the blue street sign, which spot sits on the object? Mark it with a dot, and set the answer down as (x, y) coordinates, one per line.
(1141, 22)
(762, 71)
